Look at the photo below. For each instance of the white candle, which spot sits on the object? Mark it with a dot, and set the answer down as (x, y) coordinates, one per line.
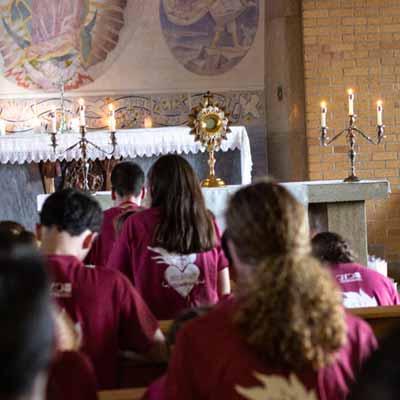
(324, 111)
(148, 123)
(112, 123)
(2, 127)
(54, 121)
(379, 110)
(82, 116)
(351, 102)
(75, 125)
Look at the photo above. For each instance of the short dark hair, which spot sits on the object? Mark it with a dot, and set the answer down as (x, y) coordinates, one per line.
(72, 211)
(27, 331)
(332, 248)
(127, 179)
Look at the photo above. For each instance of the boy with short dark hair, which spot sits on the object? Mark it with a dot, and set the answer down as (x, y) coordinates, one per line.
(127, 181)
(107, 309)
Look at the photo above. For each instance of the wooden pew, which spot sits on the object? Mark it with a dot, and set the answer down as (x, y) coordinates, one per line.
(125, 394)
(381, 319)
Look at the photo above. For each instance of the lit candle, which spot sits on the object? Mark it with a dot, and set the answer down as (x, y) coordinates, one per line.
(351, 102)
(54, 121)
(148, 123)
(112, 123)
(379, 110)
(82, 117)
(324, 111)
(2, 127)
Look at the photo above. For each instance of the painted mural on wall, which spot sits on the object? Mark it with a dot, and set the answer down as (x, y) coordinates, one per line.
(209, 37)
(44, 42)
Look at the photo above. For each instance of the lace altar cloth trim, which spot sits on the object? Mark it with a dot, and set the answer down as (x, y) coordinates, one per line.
(22, 148)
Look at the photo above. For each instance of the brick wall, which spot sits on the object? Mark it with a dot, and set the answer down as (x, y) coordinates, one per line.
(356, 43)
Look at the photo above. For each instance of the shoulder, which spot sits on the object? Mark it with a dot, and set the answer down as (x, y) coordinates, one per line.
(359, 332)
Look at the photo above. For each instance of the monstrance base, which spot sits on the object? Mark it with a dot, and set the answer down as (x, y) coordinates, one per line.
(212, 182)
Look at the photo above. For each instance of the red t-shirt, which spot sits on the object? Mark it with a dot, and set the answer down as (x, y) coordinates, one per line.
(212, 361)
(109, 311)
(71, 376)
(363, 287)
(104, 242)
(168, 282)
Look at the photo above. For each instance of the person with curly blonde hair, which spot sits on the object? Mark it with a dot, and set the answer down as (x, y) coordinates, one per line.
(286, 327)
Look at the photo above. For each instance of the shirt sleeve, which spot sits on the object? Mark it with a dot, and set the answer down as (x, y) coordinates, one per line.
(137, 323)
(120, 257)
(366, 343)
(222, 260)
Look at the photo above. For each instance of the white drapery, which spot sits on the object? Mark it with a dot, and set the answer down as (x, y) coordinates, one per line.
(22, 148)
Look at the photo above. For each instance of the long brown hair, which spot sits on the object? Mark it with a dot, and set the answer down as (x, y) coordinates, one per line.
(186, 225)
(290, 310)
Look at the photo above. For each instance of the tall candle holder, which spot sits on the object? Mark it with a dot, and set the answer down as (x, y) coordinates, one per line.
(351, 132)
(84, 143)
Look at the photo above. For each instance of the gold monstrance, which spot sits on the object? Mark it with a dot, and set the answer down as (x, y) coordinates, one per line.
(210, 126)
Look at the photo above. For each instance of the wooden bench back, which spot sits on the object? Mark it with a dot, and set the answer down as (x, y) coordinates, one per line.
(124, 394)
(381, 319)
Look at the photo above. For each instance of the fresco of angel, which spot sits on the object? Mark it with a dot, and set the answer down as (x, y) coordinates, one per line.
(44, 42)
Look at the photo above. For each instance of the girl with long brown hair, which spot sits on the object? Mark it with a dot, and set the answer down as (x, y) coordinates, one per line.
(286, 329)
(171, 252)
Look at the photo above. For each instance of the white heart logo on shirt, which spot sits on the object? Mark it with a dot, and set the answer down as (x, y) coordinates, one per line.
(183, 281)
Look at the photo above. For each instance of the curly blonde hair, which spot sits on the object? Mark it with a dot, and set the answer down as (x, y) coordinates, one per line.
(290, 310)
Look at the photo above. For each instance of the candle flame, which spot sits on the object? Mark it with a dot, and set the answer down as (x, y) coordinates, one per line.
(350, 91)
(323, 104)
(81, 102)
(148, 123)
(110, 107)
(379, 103)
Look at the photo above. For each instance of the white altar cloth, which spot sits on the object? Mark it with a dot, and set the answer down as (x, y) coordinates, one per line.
(22, 148)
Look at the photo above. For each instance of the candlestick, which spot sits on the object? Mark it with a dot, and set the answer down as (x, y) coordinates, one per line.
(379, 110)
(112, 123)
(54, 121)
(324, 111)
(2, 127)
(351, 132)
(351, 102)
(82, 116)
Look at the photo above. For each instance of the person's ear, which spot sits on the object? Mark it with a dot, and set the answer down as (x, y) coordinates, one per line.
(38, 229)
(88, 240)
(113, 195)
(143, 193)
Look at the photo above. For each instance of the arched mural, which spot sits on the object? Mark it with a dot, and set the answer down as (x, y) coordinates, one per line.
(209, 37)
(46, 42)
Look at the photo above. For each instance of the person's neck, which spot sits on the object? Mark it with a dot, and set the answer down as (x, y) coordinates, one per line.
(60, 246)
(127, 199)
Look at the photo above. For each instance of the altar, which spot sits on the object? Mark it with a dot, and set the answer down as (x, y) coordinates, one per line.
(20, 154)
(332, 206)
